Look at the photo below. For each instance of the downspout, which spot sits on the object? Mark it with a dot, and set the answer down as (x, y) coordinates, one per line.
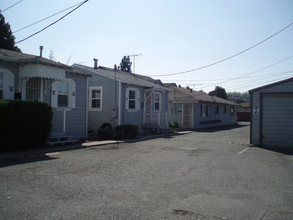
(115, 97)
(64, 120)
(87, 108)
(119, 104)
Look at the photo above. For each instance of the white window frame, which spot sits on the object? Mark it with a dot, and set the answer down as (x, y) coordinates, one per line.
(217, 109)
(158, 94)
(90, 98)
(225, 109)
(71, 95)
(232, 110)
(136, 99)
(204, 110)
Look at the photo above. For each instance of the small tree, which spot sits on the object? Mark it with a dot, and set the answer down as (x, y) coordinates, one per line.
(220, 92)
(125, 64)
(7, 40)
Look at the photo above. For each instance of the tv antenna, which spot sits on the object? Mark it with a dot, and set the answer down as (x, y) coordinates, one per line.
(134, 55)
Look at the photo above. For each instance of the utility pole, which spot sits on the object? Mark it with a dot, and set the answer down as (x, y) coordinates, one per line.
(134, 55)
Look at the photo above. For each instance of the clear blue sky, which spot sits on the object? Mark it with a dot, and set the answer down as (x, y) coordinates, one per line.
(172, 35)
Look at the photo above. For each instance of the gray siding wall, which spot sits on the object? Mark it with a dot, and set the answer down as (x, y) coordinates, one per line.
(213, 119)
(255, 97)
(76, 117)
(106, 115)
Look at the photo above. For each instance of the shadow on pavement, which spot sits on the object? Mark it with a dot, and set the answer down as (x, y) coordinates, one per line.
(34, 155)
(22, 159)
(223, 128)
(280, 150)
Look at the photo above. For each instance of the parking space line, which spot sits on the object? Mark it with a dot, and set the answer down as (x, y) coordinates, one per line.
(245, 149)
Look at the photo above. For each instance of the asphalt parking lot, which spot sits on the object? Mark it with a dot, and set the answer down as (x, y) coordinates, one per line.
(209, 174)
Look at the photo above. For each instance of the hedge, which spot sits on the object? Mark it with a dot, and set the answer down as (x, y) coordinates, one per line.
(24, 124)
(106, 133)
(126, 131)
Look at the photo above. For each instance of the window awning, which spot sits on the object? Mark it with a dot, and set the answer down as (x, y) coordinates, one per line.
(42, 71)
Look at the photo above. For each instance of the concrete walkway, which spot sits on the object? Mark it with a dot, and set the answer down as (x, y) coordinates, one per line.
(139, 138)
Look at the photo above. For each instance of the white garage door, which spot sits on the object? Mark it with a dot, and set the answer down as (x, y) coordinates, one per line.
(277, 123)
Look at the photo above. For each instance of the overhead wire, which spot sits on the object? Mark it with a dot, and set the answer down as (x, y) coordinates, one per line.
(53, 22)
(264, 82)
(266, 67)
(1, 11)
(243, 81)
(227, 58)
(46, 18)
(259, 78)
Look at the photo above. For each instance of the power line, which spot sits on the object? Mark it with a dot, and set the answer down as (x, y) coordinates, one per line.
(11, 6)
(264, 82)
(52, 23)
(230, 57)
(248, 73)
(243, 78)
(46, 18)
(260, 78)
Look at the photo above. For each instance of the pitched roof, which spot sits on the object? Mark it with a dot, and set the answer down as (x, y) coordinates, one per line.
(182, 95)
(270, 85)
(121, 76)
(23, 58)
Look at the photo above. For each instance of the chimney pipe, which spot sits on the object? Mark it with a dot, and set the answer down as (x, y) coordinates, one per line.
(41, 51)
(95, 63)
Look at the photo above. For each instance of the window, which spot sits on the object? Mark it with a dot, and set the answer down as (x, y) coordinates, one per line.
(225, 109)
(1, 85)
(231, 110)
(157, 100)
(6, 84)
(132, 99)
(95, 98)
(131, 102)
(63, 92)
(33, 90)
(216, 109)
(204, 110)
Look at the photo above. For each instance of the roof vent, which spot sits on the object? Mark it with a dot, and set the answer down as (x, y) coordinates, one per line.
(95, 63)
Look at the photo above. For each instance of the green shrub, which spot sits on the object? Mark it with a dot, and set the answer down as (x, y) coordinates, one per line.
(173, 125)
(24, 124)
(106, 134)
(126, 131)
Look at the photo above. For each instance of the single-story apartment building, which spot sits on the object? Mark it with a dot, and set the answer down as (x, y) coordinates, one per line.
(117, 97)
(34, 78)
(196, 109)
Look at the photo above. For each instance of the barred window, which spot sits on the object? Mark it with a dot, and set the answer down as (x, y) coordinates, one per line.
(33, 89)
